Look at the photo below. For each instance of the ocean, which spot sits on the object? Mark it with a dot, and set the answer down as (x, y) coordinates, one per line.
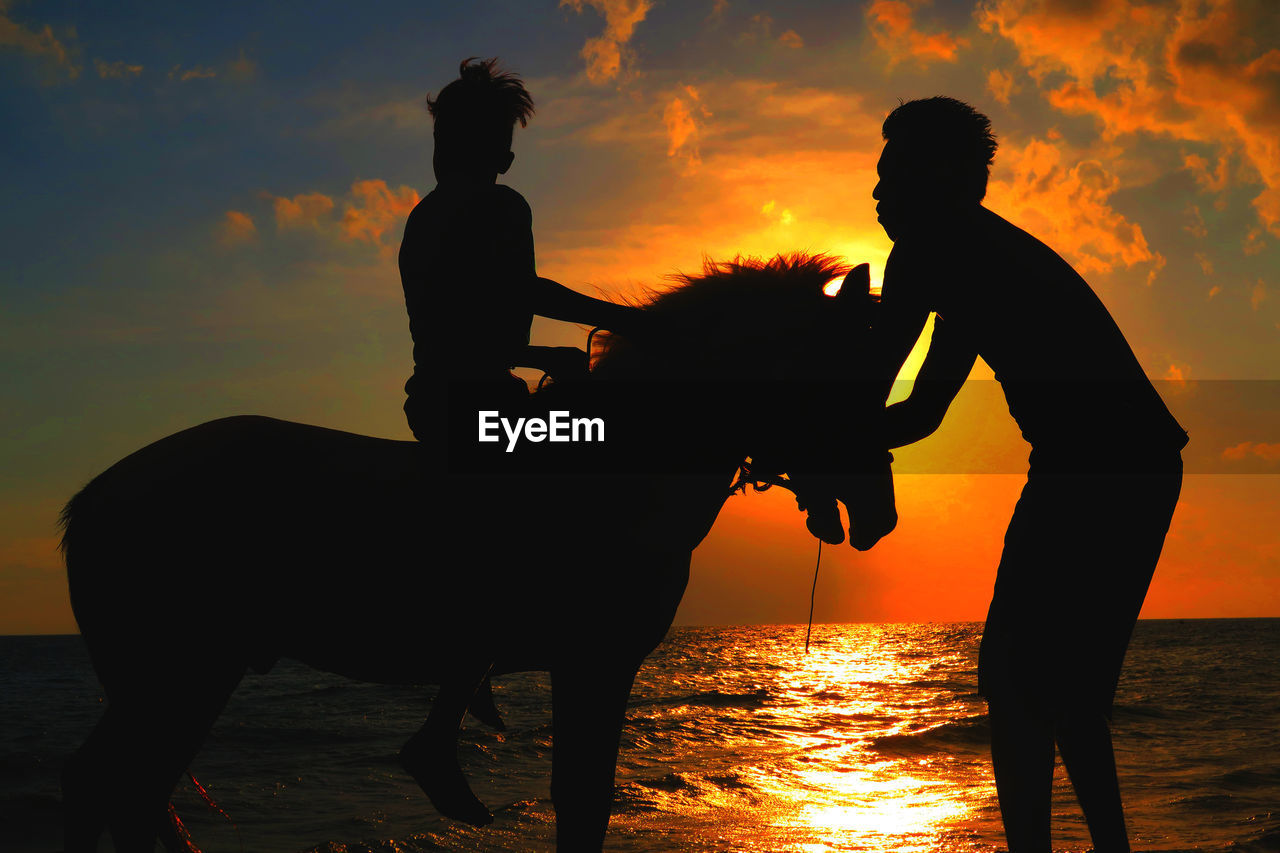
(736, 740)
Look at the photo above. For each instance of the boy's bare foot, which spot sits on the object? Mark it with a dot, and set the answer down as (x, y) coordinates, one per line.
(437, 772)
(483, 708)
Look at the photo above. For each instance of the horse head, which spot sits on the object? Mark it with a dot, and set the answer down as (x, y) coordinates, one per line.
(777, 344)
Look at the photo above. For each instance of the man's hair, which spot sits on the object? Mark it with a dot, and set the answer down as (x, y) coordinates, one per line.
(953, 137)
(482, 106)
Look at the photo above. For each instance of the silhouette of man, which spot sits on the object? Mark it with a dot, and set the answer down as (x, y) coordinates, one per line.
(1105, 465)
(471, 290)
(467, 263)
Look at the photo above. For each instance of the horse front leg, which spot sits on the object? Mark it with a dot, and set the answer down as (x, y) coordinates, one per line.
(588, 707)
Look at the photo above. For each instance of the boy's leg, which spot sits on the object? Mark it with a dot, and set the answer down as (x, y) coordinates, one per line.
(484, 709)
(431, 755)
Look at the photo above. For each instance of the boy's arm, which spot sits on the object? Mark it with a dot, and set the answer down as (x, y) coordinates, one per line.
(559, 362)
(551, 299)
(945, 368)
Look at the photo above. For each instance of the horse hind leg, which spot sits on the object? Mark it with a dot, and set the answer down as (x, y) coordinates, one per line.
(85, 795)
(123, 776)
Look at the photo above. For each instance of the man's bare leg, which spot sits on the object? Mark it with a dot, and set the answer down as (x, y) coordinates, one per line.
(1022, 758)
(1084, 739)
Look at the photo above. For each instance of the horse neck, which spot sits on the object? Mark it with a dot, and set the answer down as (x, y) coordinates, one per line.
(667, 470)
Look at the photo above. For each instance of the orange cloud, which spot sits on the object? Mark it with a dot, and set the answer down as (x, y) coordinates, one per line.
(760, 28)
(242, 69)
(892, 24)
(301, 210)
(39, 43)
(1197, 228)
(1000, 85)
(681, 117)
(1215, 180)
(196, 73)
(117, 70)
(1193, 71)
(1068, 207)
(607, 54)
(376, 209)
(1258, 295)
(1267, 452)
(369, 211)
(237, 228)
(783, 217)
(1177, 375)
(791, 38)
(239, 70)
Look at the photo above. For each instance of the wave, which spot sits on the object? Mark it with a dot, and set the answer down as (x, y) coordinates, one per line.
(968, 735)
(1267, 841)
(713, 699)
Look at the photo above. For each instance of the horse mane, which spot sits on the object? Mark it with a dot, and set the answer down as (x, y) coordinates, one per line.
(729, 302)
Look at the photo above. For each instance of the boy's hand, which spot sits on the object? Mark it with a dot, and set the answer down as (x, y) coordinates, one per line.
(626, 320)
(565, 362)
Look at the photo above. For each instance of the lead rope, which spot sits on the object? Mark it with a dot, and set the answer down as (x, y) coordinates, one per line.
(812, 592)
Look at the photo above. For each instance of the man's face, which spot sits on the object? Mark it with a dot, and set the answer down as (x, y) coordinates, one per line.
(901, 193)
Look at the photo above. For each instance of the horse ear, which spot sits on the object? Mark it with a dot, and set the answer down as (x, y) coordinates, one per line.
(855, 290)
(856, 284)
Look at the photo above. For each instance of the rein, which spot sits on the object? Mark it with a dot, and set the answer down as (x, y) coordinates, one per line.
(812, 592)
(545, 376)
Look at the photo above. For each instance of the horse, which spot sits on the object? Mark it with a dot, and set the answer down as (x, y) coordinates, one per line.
(227, 546)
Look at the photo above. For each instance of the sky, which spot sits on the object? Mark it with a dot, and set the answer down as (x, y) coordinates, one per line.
(202, 206)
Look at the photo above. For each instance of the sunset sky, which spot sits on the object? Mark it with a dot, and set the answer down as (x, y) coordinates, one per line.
(202, 207)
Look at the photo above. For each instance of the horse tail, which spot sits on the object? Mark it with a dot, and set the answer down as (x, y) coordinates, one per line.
(84, 528)
(72, 521)
(73, 508)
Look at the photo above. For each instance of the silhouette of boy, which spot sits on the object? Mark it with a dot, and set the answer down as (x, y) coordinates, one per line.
(471, 290)
(467, 265)
(1105, 465)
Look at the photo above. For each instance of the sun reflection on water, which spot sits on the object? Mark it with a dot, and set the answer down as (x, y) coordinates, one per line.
(873, 742)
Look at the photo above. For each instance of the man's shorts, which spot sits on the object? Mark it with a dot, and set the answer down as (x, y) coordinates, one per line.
(1078, 558)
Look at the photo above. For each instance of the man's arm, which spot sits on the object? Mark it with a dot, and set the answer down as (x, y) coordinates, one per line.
(945, 368)
(899, 320)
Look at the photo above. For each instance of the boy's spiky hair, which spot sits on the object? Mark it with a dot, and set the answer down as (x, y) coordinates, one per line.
(950, 133)
(483, 100)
